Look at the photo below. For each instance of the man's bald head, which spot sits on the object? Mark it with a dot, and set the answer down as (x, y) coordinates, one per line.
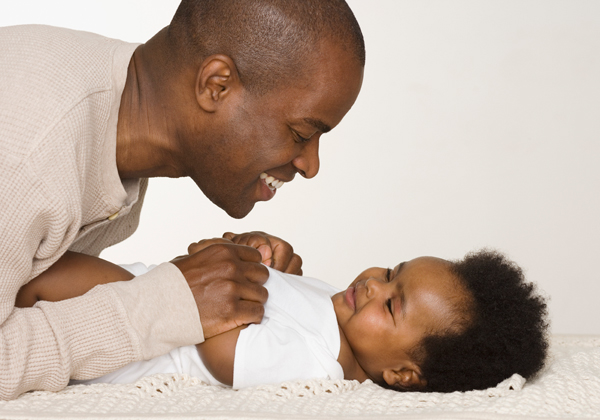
(270, 41)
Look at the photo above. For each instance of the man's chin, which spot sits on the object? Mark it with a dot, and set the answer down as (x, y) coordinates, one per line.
(238, 211)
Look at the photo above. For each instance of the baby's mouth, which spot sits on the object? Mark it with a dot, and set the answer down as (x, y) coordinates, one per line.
(271, 182)
(350, 297)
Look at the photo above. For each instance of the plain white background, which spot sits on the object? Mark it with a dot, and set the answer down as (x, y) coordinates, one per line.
(477, 126)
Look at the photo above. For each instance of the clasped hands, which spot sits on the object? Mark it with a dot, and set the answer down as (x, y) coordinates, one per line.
(226, 276)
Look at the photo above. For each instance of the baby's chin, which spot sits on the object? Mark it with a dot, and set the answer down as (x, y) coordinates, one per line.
(338, 301)
(337, 297)
(338, 294)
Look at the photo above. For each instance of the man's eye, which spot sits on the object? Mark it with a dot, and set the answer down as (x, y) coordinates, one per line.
(388, 275)
(301, 139)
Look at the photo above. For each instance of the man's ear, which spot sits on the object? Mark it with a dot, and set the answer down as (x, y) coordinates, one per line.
(407, 377)
(217, 78)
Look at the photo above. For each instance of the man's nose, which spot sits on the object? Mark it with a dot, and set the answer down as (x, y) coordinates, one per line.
(307, 162)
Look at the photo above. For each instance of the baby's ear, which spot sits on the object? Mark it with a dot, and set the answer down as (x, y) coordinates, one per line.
(408, 377)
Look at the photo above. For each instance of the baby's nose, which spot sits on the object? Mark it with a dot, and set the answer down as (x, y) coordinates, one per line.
(373, 286)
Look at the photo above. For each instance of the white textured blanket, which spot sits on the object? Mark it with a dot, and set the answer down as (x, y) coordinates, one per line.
(568, 388)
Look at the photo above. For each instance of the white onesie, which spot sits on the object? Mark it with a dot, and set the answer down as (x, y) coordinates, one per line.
(297, 339)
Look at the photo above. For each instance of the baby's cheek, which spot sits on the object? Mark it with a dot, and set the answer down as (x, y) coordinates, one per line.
(372, 324)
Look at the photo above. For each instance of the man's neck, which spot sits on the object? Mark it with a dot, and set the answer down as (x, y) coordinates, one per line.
(144, 143)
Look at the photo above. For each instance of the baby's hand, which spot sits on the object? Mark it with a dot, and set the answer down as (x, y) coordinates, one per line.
(256, 240)
(205, 243)
(275, 252)
(195, 247)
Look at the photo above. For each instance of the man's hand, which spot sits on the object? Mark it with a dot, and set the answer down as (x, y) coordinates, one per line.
(275, 252)
(226, 281)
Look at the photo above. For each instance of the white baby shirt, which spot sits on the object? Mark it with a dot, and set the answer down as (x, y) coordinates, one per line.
(297, 339)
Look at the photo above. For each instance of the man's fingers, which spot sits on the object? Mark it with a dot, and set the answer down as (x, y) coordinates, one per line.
(256, 274)
(240, 313)
(249, 312)
(252, 291)
(259, 242)
(247, 253)
(226, 280)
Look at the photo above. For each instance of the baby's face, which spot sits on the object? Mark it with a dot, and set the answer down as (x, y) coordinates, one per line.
(385, 313)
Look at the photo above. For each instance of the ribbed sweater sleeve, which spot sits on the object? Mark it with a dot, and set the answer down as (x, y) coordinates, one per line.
(59, 189)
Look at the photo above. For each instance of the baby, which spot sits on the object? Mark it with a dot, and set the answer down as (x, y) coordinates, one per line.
(425, 325)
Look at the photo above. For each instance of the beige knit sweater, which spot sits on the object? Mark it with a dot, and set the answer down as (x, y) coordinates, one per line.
(60, 92)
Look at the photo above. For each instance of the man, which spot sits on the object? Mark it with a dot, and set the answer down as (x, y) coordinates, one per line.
(233, 93)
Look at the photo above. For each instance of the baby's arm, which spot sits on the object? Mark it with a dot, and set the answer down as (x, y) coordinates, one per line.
(72, 275)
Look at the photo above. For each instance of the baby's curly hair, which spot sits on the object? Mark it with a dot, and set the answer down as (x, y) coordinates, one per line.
(506, 332)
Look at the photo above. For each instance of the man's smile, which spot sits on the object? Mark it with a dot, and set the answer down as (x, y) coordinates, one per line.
(271, 182)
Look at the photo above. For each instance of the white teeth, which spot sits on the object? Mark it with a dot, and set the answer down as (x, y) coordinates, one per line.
(272, 182)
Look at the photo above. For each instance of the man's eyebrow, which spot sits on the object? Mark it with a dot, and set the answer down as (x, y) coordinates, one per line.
(318, 124)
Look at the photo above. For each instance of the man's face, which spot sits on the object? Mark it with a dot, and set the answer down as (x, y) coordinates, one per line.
(385, 313)
(260, 142)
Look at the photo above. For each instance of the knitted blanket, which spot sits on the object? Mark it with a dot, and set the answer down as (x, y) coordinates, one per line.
(569, 387)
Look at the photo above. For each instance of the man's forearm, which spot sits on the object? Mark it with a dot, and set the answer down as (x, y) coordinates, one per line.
(44, 346)
(99, 332)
